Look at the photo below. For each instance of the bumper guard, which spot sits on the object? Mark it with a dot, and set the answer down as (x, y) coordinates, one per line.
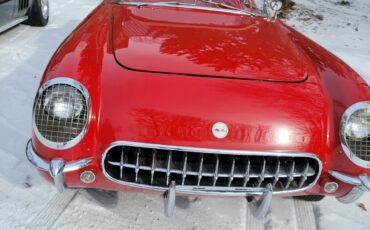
(56, 167)
(361, 185)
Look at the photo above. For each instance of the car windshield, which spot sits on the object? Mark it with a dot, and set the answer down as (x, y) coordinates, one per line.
(250, 7)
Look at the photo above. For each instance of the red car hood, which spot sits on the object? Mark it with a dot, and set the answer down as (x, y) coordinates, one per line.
(198, 42)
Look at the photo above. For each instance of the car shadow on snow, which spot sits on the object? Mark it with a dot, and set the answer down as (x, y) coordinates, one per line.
(106, 199)
(110, 199)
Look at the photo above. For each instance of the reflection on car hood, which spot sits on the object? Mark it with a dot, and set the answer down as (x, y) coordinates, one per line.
(206, 43)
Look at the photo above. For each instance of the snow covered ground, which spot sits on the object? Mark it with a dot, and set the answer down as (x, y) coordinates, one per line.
(27, 202)
(345, 31)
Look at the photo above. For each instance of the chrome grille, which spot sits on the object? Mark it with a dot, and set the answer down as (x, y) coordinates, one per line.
(156, 166)
(52, 129)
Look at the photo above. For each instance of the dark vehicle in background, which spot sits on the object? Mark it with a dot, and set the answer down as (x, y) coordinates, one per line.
(13, 12)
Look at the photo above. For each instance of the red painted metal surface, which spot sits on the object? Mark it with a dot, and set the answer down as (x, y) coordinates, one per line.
(171, 103)
(196, 42)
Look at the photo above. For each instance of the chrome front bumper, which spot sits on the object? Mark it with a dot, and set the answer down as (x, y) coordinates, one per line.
(56, 167)
(361, 185)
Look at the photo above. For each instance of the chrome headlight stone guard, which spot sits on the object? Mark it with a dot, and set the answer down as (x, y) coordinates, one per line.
(85, 94)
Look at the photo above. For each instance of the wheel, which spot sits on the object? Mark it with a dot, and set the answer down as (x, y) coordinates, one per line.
(39, 13)
(311, 198)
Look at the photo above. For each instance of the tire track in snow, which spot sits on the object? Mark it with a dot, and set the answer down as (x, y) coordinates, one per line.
(52, 210)
(305, 215)
(284, 213)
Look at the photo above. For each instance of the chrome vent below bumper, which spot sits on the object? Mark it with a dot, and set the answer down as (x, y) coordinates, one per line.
(155, 166)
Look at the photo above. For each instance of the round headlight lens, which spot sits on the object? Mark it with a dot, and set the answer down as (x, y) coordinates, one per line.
(63, 102)
(358, 125)
(355, 133)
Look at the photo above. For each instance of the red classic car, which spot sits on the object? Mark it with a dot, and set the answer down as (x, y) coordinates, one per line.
(200, 97)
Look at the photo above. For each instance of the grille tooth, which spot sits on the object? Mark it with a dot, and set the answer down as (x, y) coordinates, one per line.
(157, 167)
(152, 171)
(168, 169)
(304, 174)
(121, 165)
(231, 176)
(200, 171)
(290, 174)
(277, 172)
(137, 164)
(262, 173)
(247, 171)
(184, 168)
(215, 174)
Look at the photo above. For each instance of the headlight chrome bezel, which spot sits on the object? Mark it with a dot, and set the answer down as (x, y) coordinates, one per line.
(344, 121)
(77, 85)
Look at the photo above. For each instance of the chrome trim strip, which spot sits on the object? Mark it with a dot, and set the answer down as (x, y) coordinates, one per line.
(361, 185)
(345, 178)
(210, 190)
(12, 23)
(76, 165)
(351, 196)
(56, 167)
(365, 180)
(85, 93)
(190, 6)
(343, 123)
(34, 159)
(361, 181)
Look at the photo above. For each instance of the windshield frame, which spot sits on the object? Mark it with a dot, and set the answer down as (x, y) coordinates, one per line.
(190, 6)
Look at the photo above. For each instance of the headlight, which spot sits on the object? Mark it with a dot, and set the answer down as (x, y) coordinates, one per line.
(63, 102)
(61, 113)
(358, 125)
(355, 133)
